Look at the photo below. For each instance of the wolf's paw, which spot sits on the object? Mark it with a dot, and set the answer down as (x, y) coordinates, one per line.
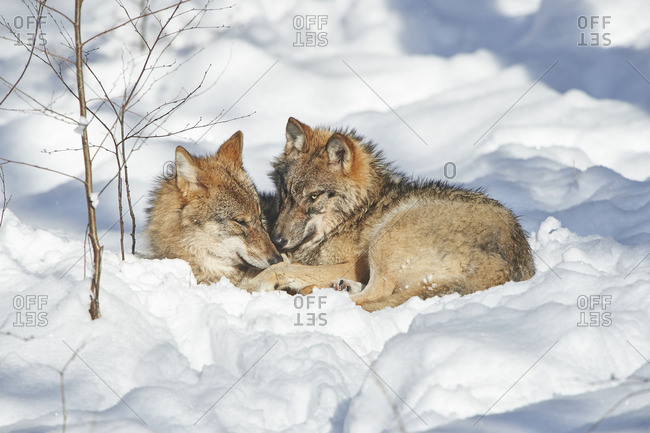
(266, 281)
(340, 285)
(347, 286)
(307, 290)
(293, 286)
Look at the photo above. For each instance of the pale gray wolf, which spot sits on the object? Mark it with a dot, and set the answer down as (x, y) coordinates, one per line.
(209, 215)
(347, 218)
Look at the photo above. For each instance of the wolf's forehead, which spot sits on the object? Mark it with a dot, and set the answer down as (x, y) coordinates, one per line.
(235, 200)
(224, 182)
(311, 182)
(297, 174)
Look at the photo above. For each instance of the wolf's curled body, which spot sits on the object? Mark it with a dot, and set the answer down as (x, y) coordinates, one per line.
(209, 215)
(346, 216)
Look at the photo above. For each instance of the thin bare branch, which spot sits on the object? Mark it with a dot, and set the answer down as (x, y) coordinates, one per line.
(43, 168)
(131, 20)
(3, 190)
(28, 99)
(56, 11)
(31, 51)
(92, 220)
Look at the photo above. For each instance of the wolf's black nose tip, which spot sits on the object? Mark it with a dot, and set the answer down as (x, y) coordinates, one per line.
(275, 259)
(279, 241)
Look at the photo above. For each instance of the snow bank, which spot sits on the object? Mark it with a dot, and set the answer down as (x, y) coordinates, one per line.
(168, 353)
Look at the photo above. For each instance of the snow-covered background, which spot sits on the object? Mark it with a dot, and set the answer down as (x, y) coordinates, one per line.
(549, 113)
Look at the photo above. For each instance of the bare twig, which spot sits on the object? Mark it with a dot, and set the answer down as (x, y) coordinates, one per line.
(174, 6)
(42, 168)
(92, 220)
(615, 406)
(9, 334)
(3, 189)
(120, 167)
(31, 51)
(62, 387)
(391, 403)
(128, 198)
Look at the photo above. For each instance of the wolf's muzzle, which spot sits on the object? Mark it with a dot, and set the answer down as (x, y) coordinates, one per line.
(277, 258)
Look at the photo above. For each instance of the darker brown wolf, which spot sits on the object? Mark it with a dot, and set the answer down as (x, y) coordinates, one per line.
(345, 216)
(209, 215)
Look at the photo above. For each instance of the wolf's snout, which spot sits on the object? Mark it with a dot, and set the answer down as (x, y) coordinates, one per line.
(275, 259)
(279, 241)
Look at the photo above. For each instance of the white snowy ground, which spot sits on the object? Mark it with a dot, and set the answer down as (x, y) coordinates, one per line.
(466, 84)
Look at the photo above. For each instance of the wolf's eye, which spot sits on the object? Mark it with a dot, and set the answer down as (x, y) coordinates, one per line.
(240, 221)
(314, 195)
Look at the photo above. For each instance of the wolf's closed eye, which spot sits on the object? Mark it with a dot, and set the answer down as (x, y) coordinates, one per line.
(240, 221)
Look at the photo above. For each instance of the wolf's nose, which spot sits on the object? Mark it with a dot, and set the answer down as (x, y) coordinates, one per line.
(275, 259)
(279, 241)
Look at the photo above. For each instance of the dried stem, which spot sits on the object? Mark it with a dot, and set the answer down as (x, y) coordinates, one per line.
(128, 195)
(3, 189)
(88, 182)
(42, 168)
(31, 51)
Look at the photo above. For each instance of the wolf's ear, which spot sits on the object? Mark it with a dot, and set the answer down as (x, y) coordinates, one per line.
(297, 136)
(186, 170)
(340, 151)
(231, 149)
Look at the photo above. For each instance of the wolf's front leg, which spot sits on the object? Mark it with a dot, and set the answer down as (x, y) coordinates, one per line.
(293, 277)
(275, 277)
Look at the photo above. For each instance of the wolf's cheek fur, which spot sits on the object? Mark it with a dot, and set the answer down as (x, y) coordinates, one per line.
(217, 245)
(321, 224)
(192, 215)
(300, 224)
(318, 227)
(208, 234)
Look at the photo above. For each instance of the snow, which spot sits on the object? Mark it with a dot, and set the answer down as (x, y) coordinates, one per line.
(472, 86)
(94, 199)
(82, 124)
